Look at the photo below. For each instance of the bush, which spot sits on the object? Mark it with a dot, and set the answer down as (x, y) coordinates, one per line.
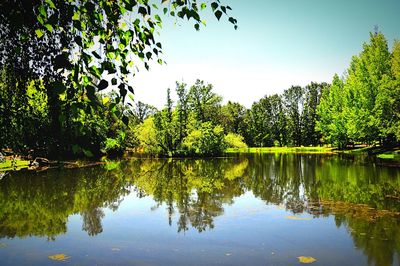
(205, 140)
(233, 140)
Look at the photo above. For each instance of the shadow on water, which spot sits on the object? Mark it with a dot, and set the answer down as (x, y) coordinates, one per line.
(361, 196)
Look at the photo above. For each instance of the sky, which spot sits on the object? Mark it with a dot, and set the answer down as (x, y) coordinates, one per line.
(279, 43)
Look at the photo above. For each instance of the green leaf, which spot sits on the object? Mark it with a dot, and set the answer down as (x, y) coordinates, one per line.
(76, 149)
(203, 6)
(42, 11)
(102, 85)
(61, 61)
(106, 100)
(49, 27)
(218, 14)
(214, 6)
(96, 55)
(51, 4)
(87, 153)
(75, 16)
(39, 33)
(142, 11)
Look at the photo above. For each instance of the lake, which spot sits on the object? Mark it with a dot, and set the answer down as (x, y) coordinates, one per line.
(256, 209)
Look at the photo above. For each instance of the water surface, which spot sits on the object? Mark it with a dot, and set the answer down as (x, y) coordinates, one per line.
(254, 209)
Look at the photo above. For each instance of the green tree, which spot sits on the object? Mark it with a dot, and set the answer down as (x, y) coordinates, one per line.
(73, 45)
(182, 109)
(312, 96)
(232, 117)
(387, 106)
(366, 75)
(207, 139)
(204, 102)
(293, 100)
(23, 112)
(331, 114)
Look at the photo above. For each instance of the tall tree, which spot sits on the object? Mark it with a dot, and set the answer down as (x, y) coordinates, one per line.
(293, 99)
(182, 109)
(387, 106)
(366, 75)
(232, 115)
(312, 96)
(204, 102)
(331, 121)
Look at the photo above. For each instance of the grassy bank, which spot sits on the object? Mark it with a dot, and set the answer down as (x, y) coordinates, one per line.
(380, 152)
(13, 165)
(309, 150)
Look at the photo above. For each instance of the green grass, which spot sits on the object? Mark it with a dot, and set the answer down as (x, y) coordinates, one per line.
(386, 156)
(281, 150)
(390, 155)
(12, 165)
(380, 152)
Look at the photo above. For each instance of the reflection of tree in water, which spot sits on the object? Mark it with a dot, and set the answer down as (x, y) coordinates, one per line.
(34, 204)
(193, 189)
(379, 239)
(92, 221)
(196, 191)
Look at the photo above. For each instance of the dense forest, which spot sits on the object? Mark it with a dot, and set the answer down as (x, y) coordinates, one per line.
(362, 106)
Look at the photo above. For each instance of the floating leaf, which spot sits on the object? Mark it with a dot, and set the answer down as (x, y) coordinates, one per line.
(59, 257)
(307, 260)
(297, 218)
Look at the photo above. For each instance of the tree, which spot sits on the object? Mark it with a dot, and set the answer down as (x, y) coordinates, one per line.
(331, 121)
(142, 111)
(165, 122)
(312, 96)
(23, 112)
(207, 139)
(365, 77)
(74, 45)
(293, 100)
(182, 109)
(203, 102)
(232, 116)
(387, 106)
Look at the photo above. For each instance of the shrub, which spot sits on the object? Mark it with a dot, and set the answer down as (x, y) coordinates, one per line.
(233, 140)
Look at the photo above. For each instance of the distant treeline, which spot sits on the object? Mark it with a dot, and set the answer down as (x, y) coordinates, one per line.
(362, 106)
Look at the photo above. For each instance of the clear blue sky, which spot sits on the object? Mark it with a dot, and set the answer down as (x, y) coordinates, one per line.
(279, 43)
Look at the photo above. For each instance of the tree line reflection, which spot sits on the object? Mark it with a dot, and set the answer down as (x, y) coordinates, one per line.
(196, 191)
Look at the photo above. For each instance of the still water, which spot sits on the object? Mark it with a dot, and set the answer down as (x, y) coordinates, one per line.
(263, 209)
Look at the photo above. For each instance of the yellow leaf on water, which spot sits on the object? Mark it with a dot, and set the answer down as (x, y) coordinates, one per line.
(297, 218)
(303, 259)
(59, 257)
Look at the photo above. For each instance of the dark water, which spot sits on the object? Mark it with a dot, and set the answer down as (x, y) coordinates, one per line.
(246, 210)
